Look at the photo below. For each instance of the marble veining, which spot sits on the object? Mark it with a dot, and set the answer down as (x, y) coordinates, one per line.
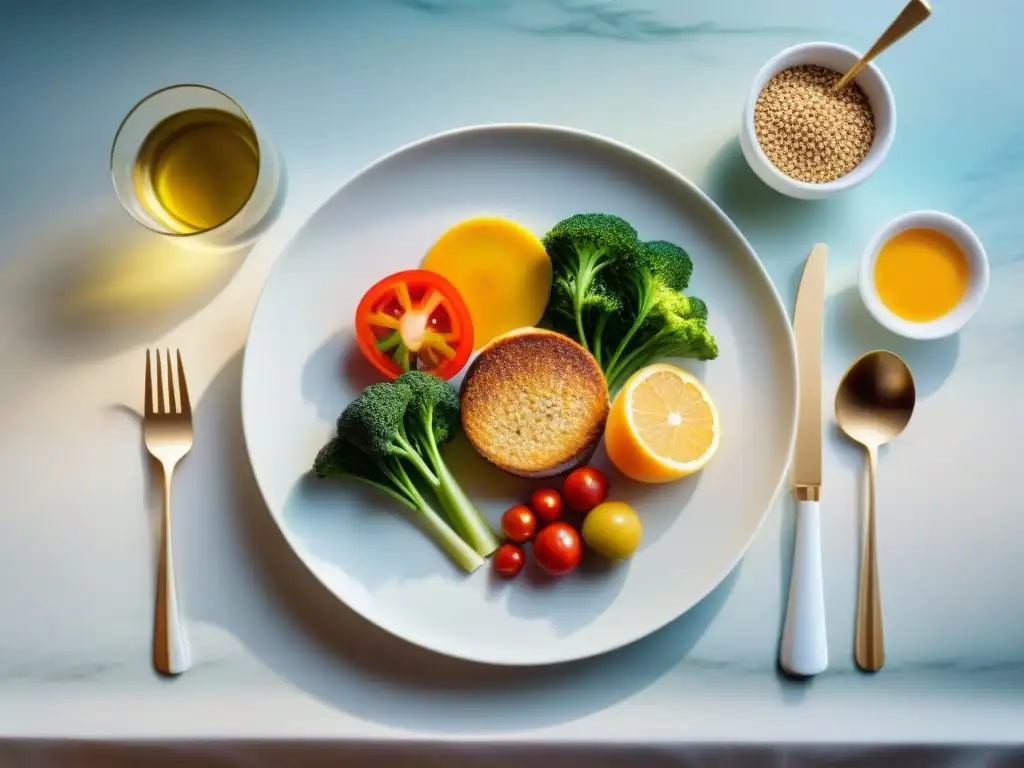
(601, 20)
(54, 672)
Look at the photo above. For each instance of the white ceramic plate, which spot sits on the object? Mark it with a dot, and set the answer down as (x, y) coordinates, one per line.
(302, 368)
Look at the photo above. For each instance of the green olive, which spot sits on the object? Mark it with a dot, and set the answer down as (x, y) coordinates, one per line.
(613, 530)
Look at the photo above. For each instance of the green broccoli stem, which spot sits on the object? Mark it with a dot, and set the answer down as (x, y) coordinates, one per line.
(599, 325)
(418, 439)
(457, 548)
(588, 267)
(644, 304)
(616, 374)
(443, 535)
(398, 495)
(432, 523)
(408, 451)
(579, 327)
(653, 348)
(395, 472)
(454, 520)
(465, 517)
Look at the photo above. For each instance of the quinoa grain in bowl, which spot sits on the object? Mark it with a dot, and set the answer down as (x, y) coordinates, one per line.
(806, 141)
(809, 132)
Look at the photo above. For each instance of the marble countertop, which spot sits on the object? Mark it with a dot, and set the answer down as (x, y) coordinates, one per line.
(83, 290)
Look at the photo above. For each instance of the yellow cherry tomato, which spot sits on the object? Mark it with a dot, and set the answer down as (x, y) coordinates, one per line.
(613, 530)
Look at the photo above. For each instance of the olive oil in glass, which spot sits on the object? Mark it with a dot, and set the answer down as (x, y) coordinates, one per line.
(188, 163)
(196, 169)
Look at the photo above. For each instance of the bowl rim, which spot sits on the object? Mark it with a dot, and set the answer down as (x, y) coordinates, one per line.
(965, 309)
(862, 170)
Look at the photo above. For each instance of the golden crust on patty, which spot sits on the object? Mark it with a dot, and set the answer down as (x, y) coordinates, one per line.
(534, 403)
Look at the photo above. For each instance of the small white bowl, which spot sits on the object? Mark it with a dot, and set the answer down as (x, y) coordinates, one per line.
(883, 106)
(977, 261)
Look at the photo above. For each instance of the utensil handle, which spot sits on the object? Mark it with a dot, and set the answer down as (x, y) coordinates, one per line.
(870, 640)
(170, 647)
(915, 12)
(804, 643)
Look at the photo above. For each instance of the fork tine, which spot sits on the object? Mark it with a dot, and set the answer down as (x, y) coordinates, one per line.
(172, 403)
(149, 387)
(186, 405)
(159, 383)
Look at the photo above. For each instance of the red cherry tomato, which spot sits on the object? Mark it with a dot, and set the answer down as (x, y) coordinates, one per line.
(557, 549)
(519, 524)
(414, 320)
(546, 503)
(508, 560)
(584, 489)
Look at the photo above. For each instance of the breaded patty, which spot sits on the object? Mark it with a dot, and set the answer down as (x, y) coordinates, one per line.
(534, 403)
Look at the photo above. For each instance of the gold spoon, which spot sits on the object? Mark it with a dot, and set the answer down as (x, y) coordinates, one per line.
(873, 405)
(913, 14)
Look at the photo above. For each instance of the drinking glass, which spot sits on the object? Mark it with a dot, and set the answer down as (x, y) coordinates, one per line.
(188, 163)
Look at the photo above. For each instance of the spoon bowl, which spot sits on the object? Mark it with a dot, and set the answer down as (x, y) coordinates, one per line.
(875, 399)
(873, 405)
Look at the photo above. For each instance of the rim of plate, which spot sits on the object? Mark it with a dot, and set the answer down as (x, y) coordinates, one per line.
(640, 156)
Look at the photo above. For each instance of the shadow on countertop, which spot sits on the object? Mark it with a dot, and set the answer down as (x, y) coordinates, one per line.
(102, 283)
(855, 332)
(237, 568)
(751, 203)
(782, 230)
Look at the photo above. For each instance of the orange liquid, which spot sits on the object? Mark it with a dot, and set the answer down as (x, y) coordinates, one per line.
(921, 274)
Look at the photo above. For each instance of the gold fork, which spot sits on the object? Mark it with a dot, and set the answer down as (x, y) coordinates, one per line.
(167, 427)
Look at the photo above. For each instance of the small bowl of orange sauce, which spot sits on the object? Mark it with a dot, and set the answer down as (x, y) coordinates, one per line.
(924, 275)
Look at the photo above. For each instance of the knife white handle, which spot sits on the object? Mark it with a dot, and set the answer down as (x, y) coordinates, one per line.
(804, 644)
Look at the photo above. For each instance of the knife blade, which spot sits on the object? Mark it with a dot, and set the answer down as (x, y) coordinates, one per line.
(808, 327)
(804, 649)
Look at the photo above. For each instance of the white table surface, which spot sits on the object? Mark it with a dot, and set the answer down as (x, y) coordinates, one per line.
(83, 290)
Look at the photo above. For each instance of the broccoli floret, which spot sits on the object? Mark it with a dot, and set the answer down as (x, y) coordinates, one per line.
(620, 297)
(669, 262)
(581, 247)
(373, 421)
(684, 331)
(436, 403)
(393, 427)
(431, 420)
(656, 268)
(670, 304)
(409, 419)
(698, 310)
(340, 458)
(676, 327)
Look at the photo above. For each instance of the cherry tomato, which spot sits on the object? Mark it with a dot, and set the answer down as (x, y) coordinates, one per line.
(613, 530)
(414, 320)
(518, 524)
(557, 549)
(584, 489)
(546, 503)
(509, 560)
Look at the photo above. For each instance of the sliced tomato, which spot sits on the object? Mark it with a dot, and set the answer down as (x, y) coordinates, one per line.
(414, 320)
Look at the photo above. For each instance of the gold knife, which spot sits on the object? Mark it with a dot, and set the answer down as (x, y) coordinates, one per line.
(804, 649)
